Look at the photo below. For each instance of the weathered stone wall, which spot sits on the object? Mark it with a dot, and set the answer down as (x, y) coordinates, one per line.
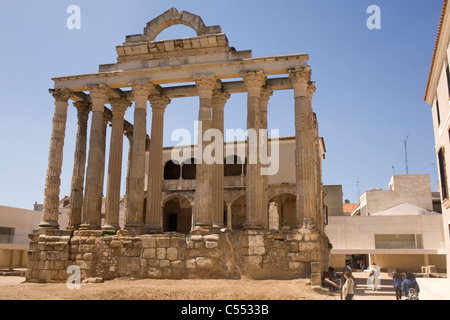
(202, 254)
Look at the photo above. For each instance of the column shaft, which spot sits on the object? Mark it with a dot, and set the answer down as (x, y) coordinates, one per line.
(79, 168)
(304, 154)
(119, 107)
(135, 214)
(255, 218)
(91, 219)
(219, 100)
(203, 196)
(50, 212)
(155, 168)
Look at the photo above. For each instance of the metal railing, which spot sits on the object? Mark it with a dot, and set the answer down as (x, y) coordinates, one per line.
(399, 245)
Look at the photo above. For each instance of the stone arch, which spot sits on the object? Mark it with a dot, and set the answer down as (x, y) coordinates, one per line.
(281, 210)
(174, 17)
(177, 213)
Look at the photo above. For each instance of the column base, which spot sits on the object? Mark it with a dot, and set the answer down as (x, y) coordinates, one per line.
(136, 228)
(49, 225)
(254, 225)
(86, 226)
(111, 227)
(153, 229)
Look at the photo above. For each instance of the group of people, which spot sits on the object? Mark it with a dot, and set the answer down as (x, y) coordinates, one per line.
(404, 284)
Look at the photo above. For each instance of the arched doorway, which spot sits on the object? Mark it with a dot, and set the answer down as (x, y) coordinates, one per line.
(177, 215)
(238, 213)
(281, 211)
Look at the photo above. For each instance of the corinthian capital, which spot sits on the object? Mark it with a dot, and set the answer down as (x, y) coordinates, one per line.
(159, 102)
(300, 74)
(61, 94)
(301, 78)
(254, 81)
(142, 89)
(206, 85)
(119, 105)
(220, 98)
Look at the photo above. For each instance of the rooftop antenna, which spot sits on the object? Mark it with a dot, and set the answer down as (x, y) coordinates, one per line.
(406, 153)
(358, 189)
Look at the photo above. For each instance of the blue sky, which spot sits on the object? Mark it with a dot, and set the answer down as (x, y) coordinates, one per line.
(370, 83)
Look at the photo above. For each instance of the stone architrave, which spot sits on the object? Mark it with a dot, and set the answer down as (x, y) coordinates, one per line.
(304, 153)
(91, 219)
(119, 106)
(135, 213)
(203, 194)
(255, 217)
(79, 168)
(50, 212)
(220, 98)
(153, 221)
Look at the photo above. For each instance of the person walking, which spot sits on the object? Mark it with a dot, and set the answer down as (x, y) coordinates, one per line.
(348, 287)
(410, 287)
(398, 280)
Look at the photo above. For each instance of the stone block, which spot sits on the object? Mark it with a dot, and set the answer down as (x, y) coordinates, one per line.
(178, 264)
(164, 263)
(172, 254)
(253, 262)
(149, 253)
(204, 263)
(161, 253)
(154, 273)
(148, 242)
(211, 237)
(316, 279)
(129, 264)
(211, 244)
(163, 242)
(88, 256)
(315, 267)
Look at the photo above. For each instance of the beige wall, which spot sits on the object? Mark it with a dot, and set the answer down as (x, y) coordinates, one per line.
(356, 235)
(437, 89)
(334, 199)
(24, 222)
(414, 189)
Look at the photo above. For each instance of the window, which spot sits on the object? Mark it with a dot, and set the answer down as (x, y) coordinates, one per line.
(233, 166)
(398, 241)
(172, 171)
(447, 71)
(6, 235)
(190, 169)
(438, 112)
(442, 173)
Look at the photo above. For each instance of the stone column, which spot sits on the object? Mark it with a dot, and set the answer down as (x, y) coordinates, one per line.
(91, 219)
(135, 214)
(203, 196)
(129, 135)
(218, 104)
(266, 93)
(79, 168)
(255, 217)
(119, 106)
(155, 167)
(50, 212)
(304, 153)
(229, 217)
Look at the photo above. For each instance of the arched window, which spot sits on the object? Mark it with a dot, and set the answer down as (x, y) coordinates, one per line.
(172, 171)
(190, 169)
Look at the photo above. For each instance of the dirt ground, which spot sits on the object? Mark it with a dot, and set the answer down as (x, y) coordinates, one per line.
(15, 288)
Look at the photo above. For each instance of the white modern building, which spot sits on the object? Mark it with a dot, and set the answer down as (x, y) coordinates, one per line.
(437, 96)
